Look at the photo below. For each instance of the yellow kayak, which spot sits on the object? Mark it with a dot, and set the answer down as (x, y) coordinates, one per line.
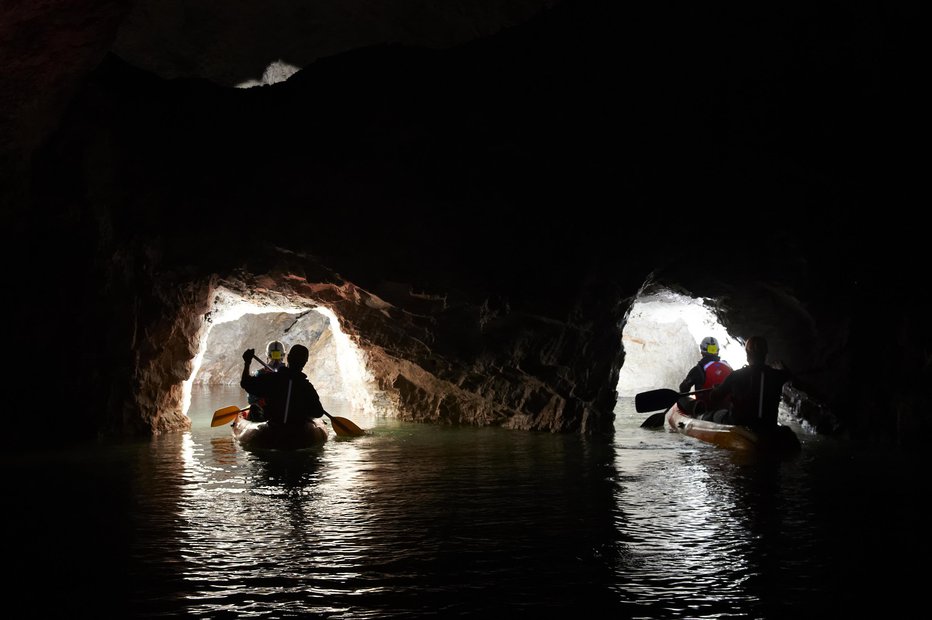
(731, 437)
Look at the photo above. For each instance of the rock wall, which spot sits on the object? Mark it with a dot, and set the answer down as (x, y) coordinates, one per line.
(480, 216)
(456, 361)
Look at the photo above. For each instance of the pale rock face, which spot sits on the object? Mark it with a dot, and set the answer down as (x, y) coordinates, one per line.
(276, 72)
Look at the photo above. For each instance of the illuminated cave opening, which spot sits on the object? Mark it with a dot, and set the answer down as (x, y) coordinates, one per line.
(661, 340)
(277, 71)
(336, 366)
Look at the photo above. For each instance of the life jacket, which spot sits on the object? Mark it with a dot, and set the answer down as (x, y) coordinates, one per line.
(715, 373)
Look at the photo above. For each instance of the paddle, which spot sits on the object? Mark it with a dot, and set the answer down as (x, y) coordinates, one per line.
(658, 399)
(226, 415)
(341, 426)
(655, 420)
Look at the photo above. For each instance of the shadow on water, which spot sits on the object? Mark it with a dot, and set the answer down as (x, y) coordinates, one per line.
(288, 472)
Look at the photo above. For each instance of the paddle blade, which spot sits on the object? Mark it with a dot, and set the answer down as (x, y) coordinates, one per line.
(655, 420)
(655, 399)
(225, 415)
(345, 428)
(224, 419)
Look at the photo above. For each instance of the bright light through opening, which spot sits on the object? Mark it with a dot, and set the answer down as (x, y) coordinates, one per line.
(336, 366)
(278, 71)
(661, 339)
(357, 380)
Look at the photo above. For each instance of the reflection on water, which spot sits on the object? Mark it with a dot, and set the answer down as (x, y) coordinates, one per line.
(416, 520)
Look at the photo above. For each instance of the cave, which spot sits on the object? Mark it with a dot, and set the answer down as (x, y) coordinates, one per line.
(478, 208)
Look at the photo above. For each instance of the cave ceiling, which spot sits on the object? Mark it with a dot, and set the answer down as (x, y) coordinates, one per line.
(539, 159)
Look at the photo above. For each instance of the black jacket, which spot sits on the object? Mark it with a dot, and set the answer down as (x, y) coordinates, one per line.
(288, 394)
(696, 376)
(748, 406)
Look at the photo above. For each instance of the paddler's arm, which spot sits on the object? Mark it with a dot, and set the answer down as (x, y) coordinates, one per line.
(247, 360)
(690, 380)
(317, 408)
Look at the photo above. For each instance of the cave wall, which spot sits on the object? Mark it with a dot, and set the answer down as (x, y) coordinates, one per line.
(450, 359)
(505, 198)
(191, 38)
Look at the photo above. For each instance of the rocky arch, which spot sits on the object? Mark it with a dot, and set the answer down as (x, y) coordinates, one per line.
(506, 199)
(448, 360)
(439, 358)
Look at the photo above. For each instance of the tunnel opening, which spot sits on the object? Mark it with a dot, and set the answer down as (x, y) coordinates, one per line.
(336, 366)
(661, 341)
(277, 71)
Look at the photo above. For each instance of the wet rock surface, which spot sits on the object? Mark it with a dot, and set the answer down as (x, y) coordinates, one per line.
(480, 216)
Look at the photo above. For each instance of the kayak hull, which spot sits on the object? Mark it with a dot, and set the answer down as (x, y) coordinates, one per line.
(261, 436)
(731, 437)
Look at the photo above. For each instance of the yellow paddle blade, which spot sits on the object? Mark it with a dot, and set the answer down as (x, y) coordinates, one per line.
(224, 420)
(345, 428)
(225, 415)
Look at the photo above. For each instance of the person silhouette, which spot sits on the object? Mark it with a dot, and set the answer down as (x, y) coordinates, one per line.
(289, 397)
(710, 371)
(275, 359)
(754, 391)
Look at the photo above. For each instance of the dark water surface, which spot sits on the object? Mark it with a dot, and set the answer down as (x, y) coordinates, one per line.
(422, 521)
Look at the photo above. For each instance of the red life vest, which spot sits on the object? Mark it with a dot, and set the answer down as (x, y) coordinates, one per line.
(715, 373)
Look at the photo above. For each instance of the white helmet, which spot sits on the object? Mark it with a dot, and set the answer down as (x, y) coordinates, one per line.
(709, 345)
(275, 351)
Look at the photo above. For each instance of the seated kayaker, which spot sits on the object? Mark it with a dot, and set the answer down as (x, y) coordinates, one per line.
(707, 373)
(755, 391)
(275, 359)
(289, 396)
